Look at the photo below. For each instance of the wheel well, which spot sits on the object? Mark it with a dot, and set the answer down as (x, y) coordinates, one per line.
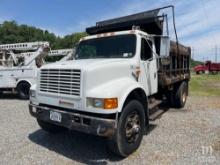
(138, 94)
(23, 81)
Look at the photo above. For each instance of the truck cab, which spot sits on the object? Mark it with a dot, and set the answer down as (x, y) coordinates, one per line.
(108, 87)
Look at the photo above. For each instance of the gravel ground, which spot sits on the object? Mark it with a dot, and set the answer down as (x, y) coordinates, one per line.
(187, 136)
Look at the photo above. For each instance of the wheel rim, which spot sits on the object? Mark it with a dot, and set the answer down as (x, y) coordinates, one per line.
(132, 127)
(184, 97)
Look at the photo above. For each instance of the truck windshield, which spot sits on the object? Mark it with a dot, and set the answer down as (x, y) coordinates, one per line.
(122, 46)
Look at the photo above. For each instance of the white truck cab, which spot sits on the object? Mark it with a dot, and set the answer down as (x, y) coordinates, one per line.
(19, 71)
(114, 75)
(116, 78)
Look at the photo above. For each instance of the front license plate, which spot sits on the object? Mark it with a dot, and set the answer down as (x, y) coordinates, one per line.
(55, 116)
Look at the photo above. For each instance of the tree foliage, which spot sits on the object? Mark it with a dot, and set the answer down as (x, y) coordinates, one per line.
(11, 32)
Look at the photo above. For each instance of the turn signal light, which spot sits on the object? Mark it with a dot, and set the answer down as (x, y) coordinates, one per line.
(110, 103)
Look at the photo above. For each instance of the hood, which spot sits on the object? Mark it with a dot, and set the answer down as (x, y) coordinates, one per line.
(81, 64)
(98, 72)
(198, 66)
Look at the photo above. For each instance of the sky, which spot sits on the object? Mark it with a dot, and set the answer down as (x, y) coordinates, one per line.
(198, 21)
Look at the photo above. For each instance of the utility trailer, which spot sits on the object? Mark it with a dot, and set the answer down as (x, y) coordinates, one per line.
(19, 68)
(121, 73)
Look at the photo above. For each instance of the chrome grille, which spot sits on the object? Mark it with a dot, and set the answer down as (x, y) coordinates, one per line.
(62, 81)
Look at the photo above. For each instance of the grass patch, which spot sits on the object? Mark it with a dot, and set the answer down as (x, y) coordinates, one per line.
(205, 85)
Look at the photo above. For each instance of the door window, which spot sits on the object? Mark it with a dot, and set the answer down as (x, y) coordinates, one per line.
(146, 49)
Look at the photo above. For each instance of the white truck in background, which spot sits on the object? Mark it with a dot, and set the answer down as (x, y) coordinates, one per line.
(18, 68)
(120, 75)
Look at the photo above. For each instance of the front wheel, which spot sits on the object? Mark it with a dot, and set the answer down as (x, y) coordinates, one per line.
(23, 89)
(130, 130)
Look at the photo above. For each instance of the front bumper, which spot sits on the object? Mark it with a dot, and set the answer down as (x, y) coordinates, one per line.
(76, 121)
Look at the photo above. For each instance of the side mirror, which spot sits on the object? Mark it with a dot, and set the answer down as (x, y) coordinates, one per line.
(164, 47)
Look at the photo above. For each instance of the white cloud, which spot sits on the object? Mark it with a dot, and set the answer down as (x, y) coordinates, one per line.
(199, 28)
(198, 23)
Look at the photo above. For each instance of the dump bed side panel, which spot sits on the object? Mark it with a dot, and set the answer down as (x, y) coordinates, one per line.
(176, 67)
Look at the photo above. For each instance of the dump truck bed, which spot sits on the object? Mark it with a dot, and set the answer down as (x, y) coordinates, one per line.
(176, 67)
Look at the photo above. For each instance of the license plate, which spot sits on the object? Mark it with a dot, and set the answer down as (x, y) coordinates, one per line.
(55, 116)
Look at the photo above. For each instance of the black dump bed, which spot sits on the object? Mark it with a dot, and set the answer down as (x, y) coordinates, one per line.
(176, 68)
(173, 69)
(148, 21)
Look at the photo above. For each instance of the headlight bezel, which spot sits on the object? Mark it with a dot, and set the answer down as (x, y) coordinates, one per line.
(102, 103)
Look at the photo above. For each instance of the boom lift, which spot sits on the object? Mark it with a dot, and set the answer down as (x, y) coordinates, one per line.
(19, 71)
(66, 53)
(9, 58)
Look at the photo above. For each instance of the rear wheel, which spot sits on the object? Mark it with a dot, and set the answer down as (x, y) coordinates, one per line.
(181, 95)
(178, 96)
(130, 130)
(23, 89)
(50, 128)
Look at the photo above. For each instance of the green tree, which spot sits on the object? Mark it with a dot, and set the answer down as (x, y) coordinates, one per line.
(11, 32)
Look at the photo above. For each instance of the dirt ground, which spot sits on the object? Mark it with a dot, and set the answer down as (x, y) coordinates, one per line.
(187, 136)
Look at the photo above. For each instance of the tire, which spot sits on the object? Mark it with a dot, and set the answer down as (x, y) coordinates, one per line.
(50, 128)
(180, 96)
(122, 143)
(23, 89)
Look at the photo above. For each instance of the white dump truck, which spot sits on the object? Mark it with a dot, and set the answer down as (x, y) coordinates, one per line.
(121, 73)
(18, 71)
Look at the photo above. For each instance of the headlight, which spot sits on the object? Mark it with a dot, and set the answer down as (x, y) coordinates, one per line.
(32, 93)
(104, 103)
